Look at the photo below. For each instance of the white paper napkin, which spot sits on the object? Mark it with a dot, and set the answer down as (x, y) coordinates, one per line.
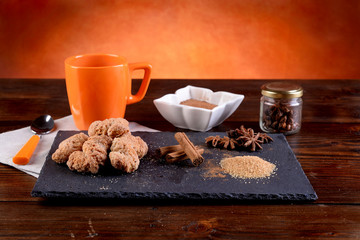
(11, 142)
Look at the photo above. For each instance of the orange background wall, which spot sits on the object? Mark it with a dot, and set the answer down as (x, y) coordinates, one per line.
(186, 38)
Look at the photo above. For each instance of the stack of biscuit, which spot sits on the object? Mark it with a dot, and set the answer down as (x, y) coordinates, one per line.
(85, 153)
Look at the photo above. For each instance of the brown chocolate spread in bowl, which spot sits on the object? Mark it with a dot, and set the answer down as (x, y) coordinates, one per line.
(197, 103)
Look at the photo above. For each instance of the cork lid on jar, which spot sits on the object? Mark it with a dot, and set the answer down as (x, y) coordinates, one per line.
(281, 89)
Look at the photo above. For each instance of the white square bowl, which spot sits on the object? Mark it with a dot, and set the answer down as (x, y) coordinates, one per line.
(194, 118)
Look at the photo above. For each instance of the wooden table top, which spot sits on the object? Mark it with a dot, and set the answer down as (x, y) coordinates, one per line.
(328, 148)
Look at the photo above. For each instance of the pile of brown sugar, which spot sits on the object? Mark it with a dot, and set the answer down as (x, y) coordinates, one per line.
(197, 103)
(247, 167)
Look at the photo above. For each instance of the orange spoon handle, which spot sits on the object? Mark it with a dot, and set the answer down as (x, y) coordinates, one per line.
(25, 153)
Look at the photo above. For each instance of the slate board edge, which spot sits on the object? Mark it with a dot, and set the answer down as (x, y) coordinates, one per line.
(177, 196)
(171, 195)
(302, 170)
(34, 192)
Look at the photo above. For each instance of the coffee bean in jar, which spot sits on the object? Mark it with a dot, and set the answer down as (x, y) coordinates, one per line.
(281, 107)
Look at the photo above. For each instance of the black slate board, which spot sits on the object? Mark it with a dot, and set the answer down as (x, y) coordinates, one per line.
(156, 179)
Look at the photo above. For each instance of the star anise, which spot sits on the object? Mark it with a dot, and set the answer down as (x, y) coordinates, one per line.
(239, 137)
(213, 140)
(244, 130)
(228, 143)
(265, 138)
(234, 133)
(238, 132)
(251, 140)
(280, 118)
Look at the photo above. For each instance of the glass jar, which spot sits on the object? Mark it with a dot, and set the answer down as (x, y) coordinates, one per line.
(281, 107)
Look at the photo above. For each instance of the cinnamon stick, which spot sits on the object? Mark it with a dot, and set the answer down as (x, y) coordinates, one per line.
(180, 155)
(168, 149)
(189, 148)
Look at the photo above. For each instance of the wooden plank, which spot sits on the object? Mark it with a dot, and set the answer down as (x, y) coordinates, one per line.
(324, 100)
(145, 220)
(326, 147)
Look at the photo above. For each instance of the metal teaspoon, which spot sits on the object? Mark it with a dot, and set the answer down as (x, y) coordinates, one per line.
(41, 125)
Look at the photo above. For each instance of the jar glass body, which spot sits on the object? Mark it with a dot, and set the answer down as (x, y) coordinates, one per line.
(280, 115)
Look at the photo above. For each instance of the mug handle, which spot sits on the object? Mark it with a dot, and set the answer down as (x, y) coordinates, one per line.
(144, 84)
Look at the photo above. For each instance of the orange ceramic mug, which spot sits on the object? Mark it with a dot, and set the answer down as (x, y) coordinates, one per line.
(99, 86)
